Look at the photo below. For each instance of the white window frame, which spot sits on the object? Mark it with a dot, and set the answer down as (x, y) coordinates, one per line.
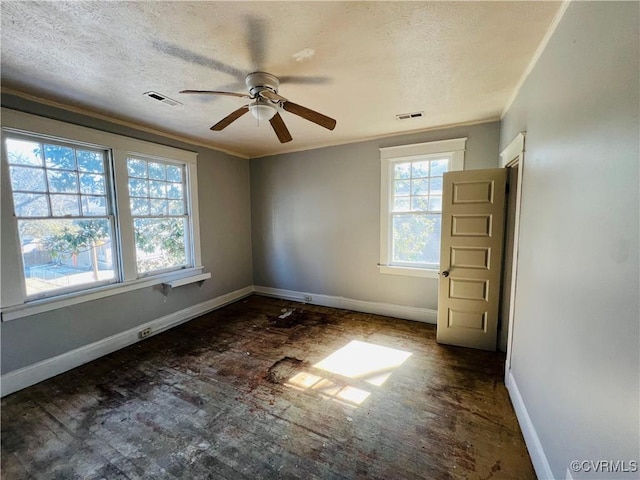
(15, 304)
(454, 149)
(189, 243)
(109, 216)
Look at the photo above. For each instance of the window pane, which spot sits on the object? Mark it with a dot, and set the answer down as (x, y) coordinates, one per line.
(419, 203)
(61, 181)
(138, 187)
(65, 253)
(401, 204)
(174, 190)
(436, 186)
(420, 169)
(158, 207)
(176, 207)
(157, 189)
(56, 156)
(94, 206)
(174, 174)
(92, 183)
(137, 168)
(62, 205)
(139, 206)
(27, 179)
(402, 170)
(438, 167)
(416, 238)
(435, 204)
(90, 161)
(160, 243)
(30, 205)
(156, 171)
(23, 152)
(420, 186)
(402, 187)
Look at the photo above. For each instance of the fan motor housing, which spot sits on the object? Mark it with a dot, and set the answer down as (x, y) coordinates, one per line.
(258, 81)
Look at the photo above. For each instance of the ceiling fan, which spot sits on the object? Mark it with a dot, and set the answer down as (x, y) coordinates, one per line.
(266, 104)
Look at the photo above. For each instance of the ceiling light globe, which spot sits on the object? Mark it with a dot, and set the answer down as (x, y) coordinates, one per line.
(263, 111)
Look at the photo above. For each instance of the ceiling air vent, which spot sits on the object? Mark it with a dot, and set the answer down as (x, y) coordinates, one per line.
(162, 98)
(406, 116)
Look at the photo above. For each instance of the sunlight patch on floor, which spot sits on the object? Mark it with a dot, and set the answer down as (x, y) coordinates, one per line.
(366, 361)
(357, 360)
(327, 388)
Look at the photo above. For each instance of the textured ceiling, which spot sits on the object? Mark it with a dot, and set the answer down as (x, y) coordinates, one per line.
(358, 62)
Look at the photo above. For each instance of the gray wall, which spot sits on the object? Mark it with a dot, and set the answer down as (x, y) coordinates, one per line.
(316, 218)
(576, 333)
(225, 232)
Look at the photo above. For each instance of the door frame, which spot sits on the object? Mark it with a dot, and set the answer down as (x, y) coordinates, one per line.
(513, 155)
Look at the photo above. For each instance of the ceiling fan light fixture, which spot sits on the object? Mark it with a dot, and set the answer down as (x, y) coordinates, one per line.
(266, 105)
(263, 111)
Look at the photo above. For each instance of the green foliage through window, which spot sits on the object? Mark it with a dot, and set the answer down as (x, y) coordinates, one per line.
(65, 206)
(156, 196)
(416, 206)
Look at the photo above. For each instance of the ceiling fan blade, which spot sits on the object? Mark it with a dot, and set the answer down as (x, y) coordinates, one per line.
(196, 59)
(215, 92)
(310, 115)
(300, 80)
(229, 119)
(272, 96)
(256, 31)
(280, 128)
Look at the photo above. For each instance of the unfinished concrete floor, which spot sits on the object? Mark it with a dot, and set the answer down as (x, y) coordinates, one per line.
(241, 393)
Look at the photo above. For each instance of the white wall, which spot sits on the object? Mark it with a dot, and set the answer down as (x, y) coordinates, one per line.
(316, 218)
(575, 356)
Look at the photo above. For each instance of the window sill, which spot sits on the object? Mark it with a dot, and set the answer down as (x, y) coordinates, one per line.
(39, 306)
(408, 271)
(168, 286)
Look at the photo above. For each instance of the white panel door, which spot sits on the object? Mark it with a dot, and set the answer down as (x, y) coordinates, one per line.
(473, 208)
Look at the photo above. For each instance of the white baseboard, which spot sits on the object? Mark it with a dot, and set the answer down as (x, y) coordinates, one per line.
(536, 452)
(388, 309)
(32, 374)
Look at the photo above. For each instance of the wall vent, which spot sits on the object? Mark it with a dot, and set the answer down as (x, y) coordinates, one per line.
(162, 98)
(406, 116)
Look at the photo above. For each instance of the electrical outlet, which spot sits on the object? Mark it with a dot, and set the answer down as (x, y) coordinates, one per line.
(307, 298)
(144, 333)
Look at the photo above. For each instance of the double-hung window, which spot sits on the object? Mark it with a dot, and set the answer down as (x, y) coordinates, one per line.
(411, 204)
(90, 211)
(159, 211)
(64, 214)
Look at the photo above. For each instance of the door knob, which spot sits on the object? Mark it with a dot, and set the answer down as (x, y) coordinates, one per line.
(445, 274)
